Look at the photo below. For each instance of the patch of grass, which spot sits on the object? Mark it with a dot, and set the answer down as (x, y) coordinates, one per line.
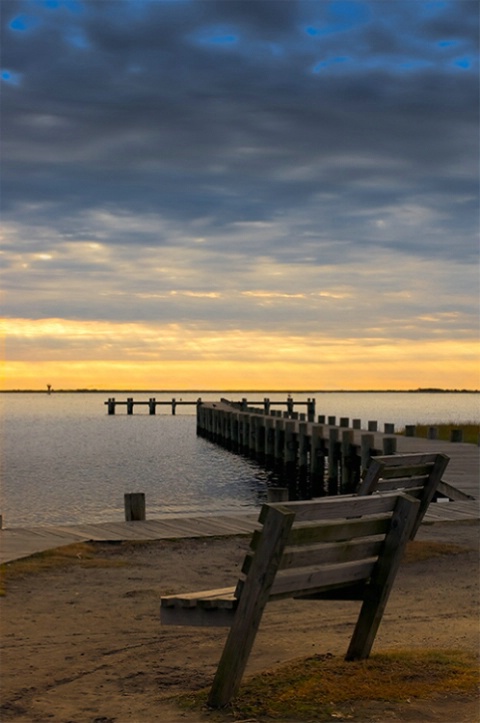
(471, 430)
(80, 554)
(419, 550)
(313, 689)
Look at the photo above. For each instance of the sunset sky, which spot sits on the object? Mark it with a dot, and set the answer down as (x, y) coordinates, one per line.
(240, 194)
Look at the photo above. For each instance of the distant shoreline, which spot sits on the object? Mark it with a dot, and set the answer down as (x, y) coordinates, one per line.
(243, 391)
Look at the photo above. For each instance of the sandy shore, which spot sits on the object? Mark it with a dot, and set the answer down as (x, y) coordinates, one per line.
(84, 644)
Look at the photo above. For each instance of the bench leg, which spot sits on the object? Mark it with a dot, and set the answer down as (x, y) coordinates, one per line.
(378, 590)
(253, 598)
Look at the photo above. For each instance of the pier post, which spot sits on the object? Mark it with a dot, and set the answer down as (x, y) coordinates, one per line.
(130, 405)
(456, 435)
(410, 430)
(279, 440)
(289, 406)
(266, 405)
(389, 428)
(311, 410)
(333, 461)
(389, 445)
(317, 460)
(174, 405)
(277, 494)
(372, 426)
(151, 405)
(290, 452)
(111, 405)
(348, 463)
(134, 506)
(367, 442)
(260, 438)
(269, 440)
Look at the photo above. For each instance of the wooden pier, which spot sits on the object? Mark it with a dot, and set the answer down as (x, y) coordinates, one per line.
(318, 458)
(244, 404)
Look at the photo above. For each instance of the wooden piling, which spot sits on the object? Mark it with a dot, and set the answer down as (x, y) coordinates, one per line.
(333, 459)
(432, 433)
(134, 506)
(277, 494)
(389, 445)
(367, 444)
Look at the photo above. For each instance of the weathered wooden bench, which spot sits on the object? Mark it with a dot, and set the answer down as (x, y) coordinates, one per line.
(346, 548)
(417, 474)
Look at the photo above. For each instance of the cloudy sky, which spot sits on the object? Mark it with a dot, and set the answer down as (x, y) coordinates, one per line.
(240, 193)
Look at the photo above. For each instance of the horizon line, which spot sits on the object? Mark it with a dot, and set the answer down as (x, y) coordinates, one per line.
(96, 390)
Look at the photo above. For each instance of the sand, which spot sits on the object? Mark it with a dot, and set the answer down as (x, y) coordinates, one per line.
(84, 644)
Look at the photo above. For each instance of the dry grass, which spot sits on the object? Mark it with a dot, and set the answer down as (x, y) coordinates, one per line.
(317, 688)
(419, 550)
(471, 431)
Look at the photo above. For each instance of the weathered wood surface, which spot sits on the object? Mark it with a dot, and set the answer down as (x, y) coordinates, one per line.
(252, 602)
(18, 542)
(274, 569)
(419, 473)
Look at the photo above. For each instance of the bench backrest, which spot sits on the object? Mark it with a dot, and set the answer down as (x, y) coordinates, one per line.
(330, 543)
(344, 547)
(417, 474)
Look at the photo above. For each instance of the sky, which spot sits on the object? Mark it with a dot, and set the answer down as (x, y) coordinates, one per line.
(240, 194)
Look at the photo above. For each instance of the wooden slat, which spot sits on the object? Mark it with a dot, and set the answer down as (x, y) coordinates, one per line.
(404, 483)
(339, 530)
(190, 599)
(306, 580)
(330, 553)
(408, 459)
(403, 470)
(325, 553)
(338, 507)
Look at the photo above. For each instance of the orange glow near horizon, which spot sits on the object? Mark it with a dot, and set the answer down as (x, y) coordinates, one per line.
(333, 375)
(99, 355)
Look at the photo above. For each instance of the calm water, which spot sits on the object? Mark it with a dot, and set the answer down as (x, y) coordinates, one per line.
(66, 461)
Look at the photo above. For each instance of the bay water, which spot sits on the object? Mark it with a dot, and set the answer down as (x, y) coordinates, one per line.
(66, 461)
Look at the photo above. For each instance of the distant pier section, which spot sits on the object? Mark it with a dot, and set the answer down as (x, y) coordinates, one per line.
(244, 404)
(312, 457)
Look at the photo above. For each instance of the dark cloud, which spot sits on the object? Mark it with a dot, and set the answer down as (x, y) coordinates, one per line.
(350, 127)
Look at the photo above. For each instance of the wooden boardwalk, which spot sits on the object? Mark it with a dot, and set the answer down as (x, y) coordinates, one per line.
(19, 542)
